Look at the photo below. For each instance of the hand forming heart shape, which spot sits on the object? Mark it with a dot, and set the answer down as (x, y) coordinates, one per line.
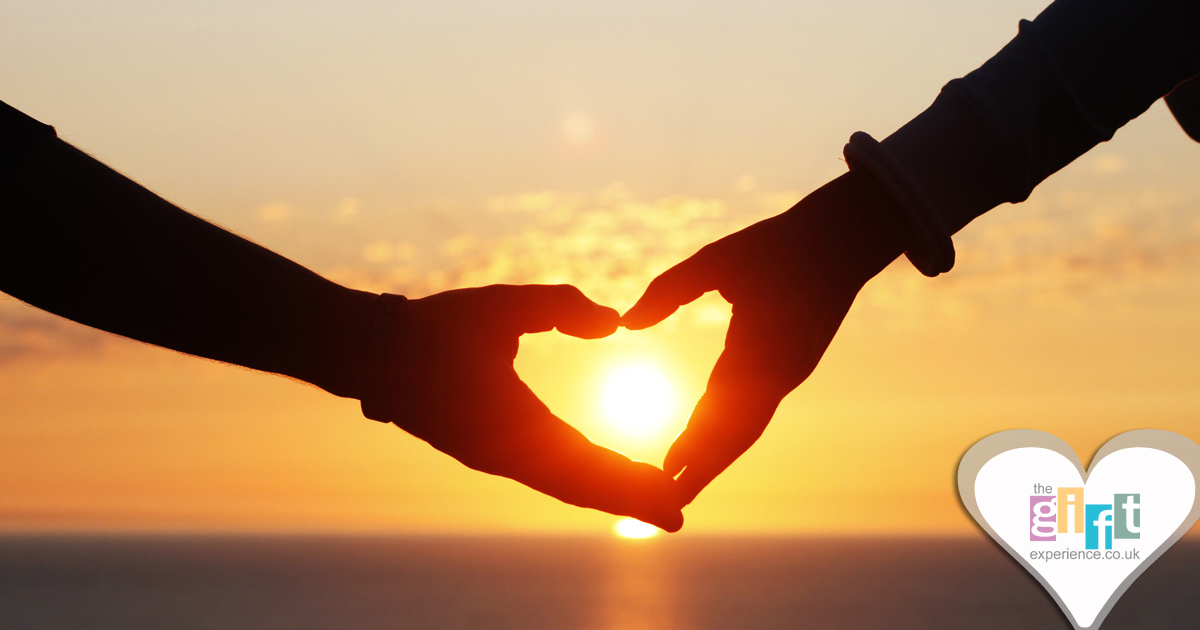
(444, 373)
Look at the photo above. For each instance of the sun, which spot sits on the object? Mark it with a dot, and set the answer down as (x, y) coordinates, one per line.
(637, 399)
(633, 528)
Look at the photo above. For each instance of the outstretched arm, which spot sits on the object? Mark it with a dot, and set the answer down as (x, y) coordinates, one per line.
(82, 241)
(1067, 82)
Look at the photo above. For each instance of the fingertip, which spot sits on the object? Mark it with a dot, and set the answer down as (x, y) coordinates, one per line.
(635, 319)
(647, 312)
(656, 498)
(674, 288)
(607, 321)
(599, 323)
(666, 514)
(671, 523)
(586, 319)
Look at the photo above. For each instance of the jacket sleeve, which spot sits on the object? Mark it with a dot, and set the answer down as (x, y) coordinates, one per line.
(1065, 83)
(17, 133)
(1184, 102)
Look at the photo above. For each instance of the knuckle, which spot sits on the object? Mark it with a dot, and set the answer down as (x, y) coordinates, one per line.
(570, 292)
(663, 283)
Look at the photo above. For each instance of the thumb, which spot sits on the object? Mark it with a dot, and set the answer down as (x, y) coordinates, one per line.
(731, 415)
(679, 285)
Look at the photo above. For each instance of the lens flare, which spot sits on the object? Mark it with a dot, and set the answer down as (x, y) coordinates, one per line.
(579, 129)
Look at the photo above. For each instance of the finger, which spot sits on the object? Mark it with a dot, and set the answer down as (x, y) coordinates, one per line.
(729, 418)
(532, 446)
(536, 308)
(599, 478)
(675, 287)
(716, 436)
(680, 452)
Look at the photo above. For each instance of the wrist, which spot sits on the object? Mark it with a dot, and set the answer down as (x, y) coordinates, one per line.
(390, 328)
(951, 154)
(854, 227)
(340, 361)
(880, 233)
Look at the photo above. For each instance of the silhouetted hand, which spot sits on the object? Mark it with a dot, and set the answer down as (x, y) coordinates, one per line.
(791, 280)
(449, 380)
(87, 243)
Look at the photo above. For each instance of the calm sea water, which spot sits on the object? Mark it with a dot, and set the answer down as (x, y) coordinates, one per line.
(672, 583)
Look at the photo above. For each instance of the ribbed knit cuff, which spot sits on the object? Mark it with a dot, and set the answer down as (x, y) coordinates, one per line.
(955, 160)
(1065, 83)
(18, 133)
(929, 246)
(993, 135)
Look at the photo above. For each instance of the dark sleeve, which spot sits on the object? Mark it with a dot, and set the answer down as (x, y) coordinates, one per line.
(1184, 102)
(80, 240)
(1068, 81)
(17, 133)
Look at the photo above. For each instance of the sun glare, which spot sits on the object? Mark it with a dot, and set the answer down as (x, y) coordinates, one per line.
(633, 528)
(579, 129)
(637, 399)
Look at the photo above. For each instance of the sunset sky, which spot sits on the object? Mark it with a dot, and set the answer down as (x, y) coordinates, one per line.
(417, 147)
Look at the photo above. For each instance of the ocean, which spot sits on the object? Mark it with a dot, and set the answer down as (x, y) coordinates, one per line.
(550, 583)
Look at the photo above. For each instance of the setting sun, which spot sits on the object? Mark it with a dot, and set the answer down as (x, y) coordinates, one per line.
(633, 528)
(637, 399)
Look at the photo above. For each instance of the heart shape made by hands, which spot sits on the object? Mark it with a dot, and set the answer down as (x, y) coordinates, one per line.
(1085, 535)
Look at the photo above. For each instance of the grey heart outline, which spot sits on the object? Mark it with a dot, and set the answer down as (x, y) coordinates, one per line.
(984, 450)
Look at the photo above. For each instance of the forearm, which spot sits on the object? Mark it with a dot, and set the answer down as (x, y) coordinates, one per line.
(86, 243)
(1067, 82)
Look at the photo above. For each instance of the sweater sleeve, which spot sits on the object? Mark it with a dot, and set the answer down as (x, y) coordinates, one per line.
(1065, 83)
(17, 133)
(1184, 102)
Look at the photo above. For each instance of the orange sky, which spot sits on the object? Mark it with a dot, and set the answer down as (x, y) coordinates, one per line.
(419, 149)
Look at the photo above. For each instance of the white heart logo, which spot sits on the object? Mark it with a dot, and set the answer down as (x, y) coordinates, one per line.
(1086, 536)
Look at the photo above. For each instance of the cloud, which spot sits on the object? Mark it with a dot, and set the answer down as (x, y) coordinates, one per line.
(611, 242)
(1139, 251)
(746, 183)
(346, 210)
(1103, 247)
(1109, 163)
(459, 245)
(1064, 247)
(27, 333)
(378, 252)
(274, 213)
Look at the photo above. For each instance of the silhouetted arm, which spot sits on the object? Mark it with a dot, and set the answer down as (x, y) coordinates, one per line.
(1184, 102)
(1067, 82)
(82, 241)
